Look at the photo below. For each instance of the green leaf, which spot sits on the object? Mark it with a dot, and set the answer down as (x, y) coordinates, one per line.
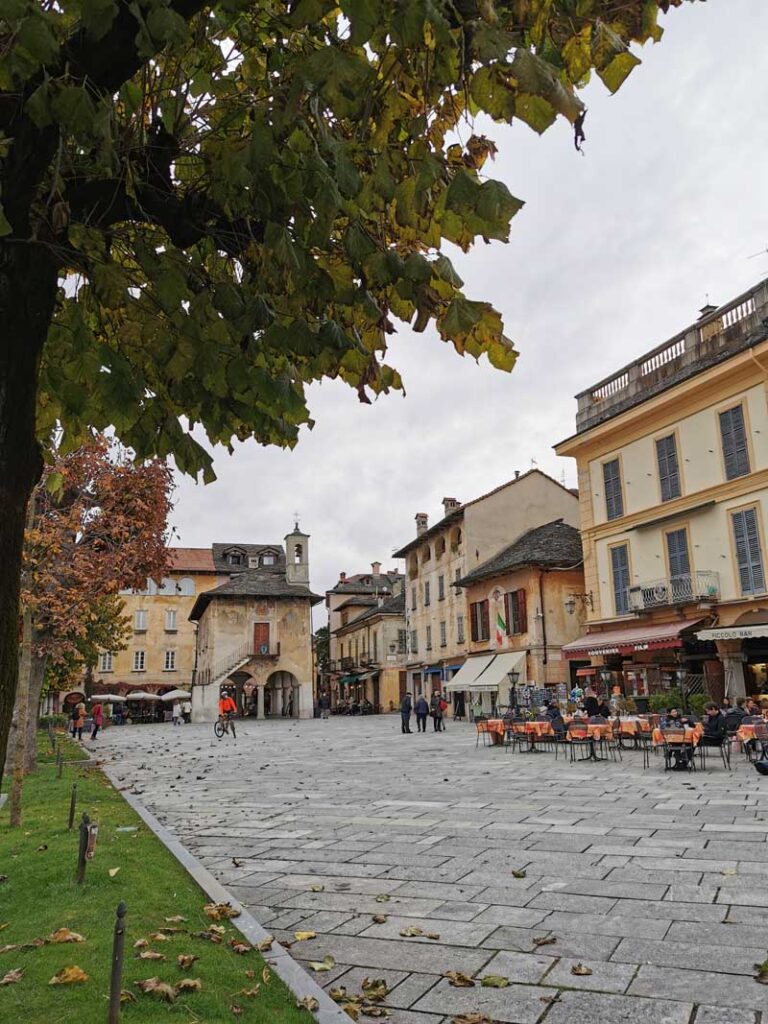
(167, 27)
(358, 243)
(461, 317)
(616, 72)
(494, 981)
(12, 10)
(364, 17)
(74, 109)
(97, 16)
(35, 36)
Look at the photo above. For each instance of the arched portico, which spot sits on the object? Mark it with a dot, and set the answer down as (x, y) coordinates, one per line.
(281, 696)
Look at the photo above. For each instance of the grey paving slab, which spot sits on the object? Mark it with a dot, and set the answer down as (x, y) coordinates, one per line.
(625, 867)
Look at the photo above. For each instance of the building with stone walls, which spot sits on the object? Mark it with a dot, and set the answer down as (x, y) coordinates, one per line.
(439, 556)
(375, 640)
(254, 632)
(523, 605)
(672, 459)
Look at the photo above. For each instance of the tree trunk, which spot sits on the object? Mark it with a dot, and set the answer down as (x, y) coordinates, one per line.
(25, 671)
(28, 286)
(36, 680)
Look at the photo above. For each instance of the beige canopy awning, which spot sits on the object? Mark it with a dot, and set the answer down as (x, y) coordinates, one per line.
(733, 632)
(495, 675)
(469, 672)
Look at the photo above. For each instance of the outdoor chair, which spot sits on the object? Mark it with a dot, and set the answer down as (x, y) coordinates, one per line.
(516, 736)
(612, 743)
(579, 738)
(676, 748)
(481, 724)
(761, 740)
(724, 746)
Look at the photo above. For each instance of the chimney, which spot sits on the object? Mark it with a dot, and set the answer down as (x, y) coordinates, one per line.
(376, 568)
(450, 505)
(706, 310)
(342, 577)
(517, 474)
(397, 587)
(422, 523)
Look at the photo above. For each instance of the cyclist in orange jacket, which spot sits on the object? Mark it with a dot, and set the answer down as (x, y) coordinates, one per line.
(227, 708)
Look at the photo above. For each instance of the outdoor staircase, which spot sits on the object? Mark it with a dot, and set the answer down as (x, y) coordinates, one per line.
(224, 667)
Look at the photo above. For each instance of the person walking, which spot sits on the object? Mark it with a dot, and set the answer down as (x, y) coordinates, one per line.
(406, 706)
(186, 712)
(78, 721)
(436, 711)
(176, 712)
(325, 705)
(97, 713)
(422, 710)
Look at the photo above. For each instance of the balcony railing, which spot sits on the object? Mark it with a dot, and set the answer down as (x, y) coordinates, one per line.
(266, 651)
(690, 588)
(346, 663)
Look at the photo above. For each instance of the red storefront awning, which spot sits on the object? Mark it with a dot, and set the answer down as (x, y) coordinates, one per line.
(650, 637)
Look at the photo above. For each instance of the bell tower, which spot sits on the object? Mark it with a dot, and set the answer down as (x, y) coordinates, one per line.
(297, 555)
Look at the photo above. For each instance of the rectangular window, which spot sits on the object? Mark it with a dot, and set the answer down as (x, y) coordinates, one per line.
(428, 644)
(140, 621)
(479, 621)
(460, 628)
(681, 588)
(749, 557)
(443, 634)
(401, 641)
(105, 661)
(516, 611)
(457, 576)
(170, 661)
(441, 588)
(139, 660)
(375, 646)
(170, 620)
(414, 641)
(426, 593)
(734, 439)
(669, 470)
(620, 574)
(413, 599)
(614, 500)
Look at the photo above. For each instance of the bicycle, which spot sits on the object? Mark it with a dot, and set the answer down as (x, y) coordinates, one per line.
(224, 723)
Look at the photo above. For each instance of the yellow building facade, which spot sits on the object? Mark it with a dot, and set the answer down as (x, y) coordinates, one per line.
(672, 460)
(375, 663)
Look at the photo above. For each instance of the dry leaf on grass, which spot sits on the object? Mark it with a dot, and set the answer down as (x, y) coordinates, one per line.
(33, 944)
(112, 872)
(266, 944)
(494, 981)
(210, 936)
(42, 848)
(326, 964)
(265, 975)
(218, 929)
(176, 919)
(126, 996)
(189, 985)
(12, 976)
(150, 954)
(220, 911)
(185, 960)
(65, 935)
(159, 937)
(307, 1003)
(157, 988)
(374, 989)
(544, 940)
(250, 992)
(235, 1009)
(7, 949)
(580, 969)
(458, 980)
(3, 878)
(304, 936)
(250, 975)
(140, 944)
(69, 975)
(379, 918)
(239, 947)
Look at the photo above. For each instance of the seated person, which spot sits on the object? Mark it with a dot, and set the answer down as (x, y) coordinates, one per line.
(604, 709)
(672, 719)
(714, 726)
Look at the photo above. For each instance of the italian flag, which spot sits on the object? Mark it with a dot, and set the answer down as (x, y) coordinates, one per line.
(501, 629)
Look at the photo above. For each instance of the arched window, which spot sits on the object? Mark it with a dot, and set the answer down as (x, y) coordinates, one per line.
(439, 547)
(413, 567)
(456, 539)
(426, 553)
(298, 554)
(186, 587)
(167, 587)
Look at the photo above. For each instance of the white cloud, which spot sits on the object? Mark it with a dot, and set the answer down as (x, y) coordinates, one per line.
(613, 252)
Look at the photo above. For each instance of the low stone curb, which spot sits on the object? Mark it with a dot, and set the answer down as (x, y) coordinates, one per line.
(279, 959)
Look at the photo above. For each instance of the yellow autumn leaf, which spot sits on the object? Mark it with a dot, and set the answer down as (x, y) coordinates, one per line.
(304, 936)
(65, 935)
(189, 985)
(69, 976)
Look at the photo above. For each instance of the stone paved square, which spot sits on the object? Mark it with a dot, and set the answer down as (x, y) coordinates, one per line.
(654, 881)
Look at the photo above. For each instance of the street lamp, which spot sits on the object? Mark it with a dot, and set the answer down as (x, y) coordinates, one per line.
(513, 677)
(570, 603)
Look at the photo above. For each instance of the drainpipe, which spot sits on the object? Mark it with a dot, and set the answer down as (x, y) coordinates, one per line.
(543, 616)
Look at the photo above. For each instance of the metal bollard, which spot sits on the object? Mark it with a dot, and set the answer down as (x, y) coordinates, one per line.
(116, 979)
(51, 737)
(84, 823)
(59, 764)
(72, 805)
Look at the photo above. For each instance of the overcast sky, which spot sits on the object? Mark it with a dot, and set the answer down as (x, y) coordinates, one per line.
(613, 252)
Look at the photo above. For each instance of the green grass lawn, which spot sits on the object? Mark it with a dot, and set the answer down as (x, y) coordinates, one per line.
(40, 895)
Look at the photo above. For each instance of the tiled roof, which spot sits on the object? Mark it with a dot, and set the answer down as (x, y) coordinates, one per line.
(249, 551)
(394, 606)
(254, 583)
(191, 560)
(554, 545)
(366, 583)
(359, 601)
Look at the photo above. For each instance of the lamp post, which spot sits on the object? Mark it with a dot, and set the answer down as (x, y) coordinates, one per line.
(513, 677)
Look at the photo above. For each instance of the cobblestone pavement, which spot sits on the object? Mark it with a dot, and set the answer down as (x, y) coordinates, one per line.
(656, 883)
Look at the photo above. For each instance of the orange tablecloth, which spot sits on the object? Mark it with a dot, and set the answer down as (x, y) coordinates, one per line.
(598, 732)
(691, 735)
(633, 728)
(539, 728)
(746, 733)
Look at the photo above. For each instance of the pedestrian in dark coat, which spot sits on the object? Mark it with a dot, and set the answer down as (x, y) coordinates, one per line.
(406, 706)
(422, 710)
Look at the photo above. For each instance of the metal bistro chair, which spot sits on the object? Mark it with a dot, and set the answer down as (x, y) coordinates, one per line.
(481, 724)
(644, 741)
(612, 743)
(675, 745)
(516, 736)
(724, 746)
(579, 738)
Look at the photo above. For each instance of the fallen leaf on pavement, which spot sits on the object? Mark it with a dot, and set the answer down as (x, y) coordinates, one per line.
(326, 964)
(494, 981)
(12, 976)
(112, 872)
(762, 972)
(220, 911)
(189, 985)
(185, 960)
(157, 988)
(307, 1003)
(519, 874)
(458, 980)
(339, 994)
(544, 940)
(379, 918)
(431, 935)
(411, 932)
(382, 898)
(265, 945)
(471, 1018)
(65, 935)
(579, 968)
(304, 936)
(374, 989)
(68, 976)
(317, 888)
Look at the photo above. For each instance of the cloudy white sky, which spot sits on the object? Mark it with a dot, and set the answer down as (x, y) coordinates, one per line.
(614, 252)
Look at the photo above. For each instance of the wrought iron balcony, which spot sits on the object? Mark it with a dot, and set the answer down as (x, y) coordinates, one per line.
(690, 588)
(346, 664)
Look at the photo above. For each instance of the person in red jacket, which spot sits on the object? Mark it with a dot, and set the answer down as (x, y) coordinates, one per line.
(227, 708)
(97, 714)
